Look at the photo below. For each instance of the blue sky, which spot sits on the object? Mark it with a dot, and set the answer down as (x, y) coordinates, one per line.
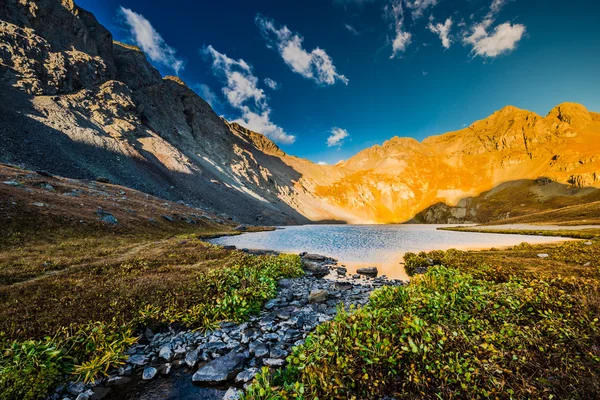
(347, 74)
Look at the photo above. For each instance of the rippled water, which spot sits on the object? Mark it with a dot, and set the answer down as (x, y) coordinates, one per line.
(377, 245)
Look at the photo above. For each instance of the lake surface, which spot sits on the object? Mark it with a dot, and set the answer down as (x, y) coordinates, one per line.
(383, 246)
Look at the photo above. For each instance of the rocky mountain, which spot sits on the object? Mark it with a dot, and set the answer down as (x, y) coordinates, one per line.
(75, 103)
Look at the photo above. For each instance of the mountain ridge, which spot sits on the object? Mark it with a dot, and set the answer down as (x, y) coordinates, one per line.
(81, 105)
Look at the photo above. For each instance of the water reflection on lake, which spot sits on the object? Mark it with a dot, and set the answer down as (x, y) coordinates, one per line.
(373, 245)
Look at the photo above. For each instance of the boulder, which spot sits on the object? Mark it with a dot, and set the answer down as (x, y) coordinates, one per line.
(543, 255)
(165, 353)
(191, 358)
(314, 257)
(318, 296)
(246, 375)
(368, 271)
(149, 373)
(221, 369)
(315, 268)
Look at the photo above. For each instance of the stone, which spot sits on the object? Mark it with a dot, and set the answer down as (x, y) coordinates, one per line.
(274, 362)
(369, 271)
(87, 395)
(587, 264)
(246, 375)
(588, 243)
(277, 352)
(355, 276)
(149, 373)
(137, 359)
(258, 349)
(107, 217)
(76, 388)
(342, 271)
(285, 283)
(241, 228)
(543, 255)
(317, 296)
(314, 257)
(315, 268)
(11, 183)
(191, 358)
(232, 394)
(118, 381)
(221, 369)
(165, 353)
(167, 218)
(165, 369)
(271, 304)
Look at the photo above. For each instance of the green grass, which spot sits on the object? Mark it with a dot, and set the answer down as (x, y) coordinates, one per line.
(77, 325)
(497, 324)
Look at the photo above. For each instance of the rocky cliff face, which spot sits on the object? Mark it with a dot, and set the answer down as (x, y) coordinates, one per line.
(77, 104)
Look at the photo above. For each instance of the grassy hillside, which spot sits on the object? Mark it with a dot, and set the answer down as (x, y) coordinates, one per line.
(496, 324)
(525, 201)
(75, 284)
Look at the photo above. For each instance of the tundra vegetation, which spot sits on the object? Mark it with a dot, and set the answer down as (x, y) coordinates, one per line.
(74, 317)
(492, 324)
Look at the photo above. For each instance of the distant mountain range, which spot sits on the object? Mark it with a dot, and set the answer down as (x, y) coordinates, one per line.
(75, 103)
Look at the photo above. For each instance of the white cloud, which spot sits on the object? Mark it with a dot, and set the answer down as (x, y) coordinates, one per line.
(242, 92)
(418, 7)
(322, 163)
(351, 29)
(149, 40)
(262, 123)
(443, 31)
(424, 73)
(502, 39)
(402, 38)
(316, 65)
(337, 137)
(207, 94)
(271, 84)
(497, 5)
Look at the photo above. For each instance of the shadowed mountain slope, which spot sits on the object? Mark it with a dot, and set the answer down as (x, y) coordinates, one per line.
(77, 104)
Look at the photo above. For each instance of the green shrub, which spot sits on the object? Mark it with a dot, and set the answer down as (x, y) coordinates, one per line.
(450, 334)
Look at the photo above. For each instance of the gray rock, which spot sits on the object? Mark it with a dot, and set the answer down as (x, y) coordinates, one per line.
(369, 271)
(165, 353)
(137, 359)
(271, 304)
(191, 358)
(543, 255)
(165, 369)
(317, 296)
(232, 394)
(149, 373)
(285, 283)
(315, 268)
(221, 369)
(274, 362)
(241, 228)
(107, 217)
(246, 375)
(167, 218)
(87, 395)
(12, 183)
(76, 388)
(342, 271)
(588, 243)
(100, 393)
(118, 381)
(314, 257)
(258, 349)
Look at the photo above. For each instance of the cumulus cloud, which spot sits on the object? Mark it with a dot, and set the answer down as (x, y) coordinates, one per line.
(502, 39)
(242, 93)
(149, 40)
(271, 84)
(207, 94)
(402, 38)
(337, 137)
(316, 65)
(322, 163)
(351, 29)
(418, 7)
(443, 31)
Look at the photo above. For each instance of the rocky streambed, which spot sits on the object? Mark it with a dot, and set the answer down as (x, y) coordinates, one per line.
(219, 364)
